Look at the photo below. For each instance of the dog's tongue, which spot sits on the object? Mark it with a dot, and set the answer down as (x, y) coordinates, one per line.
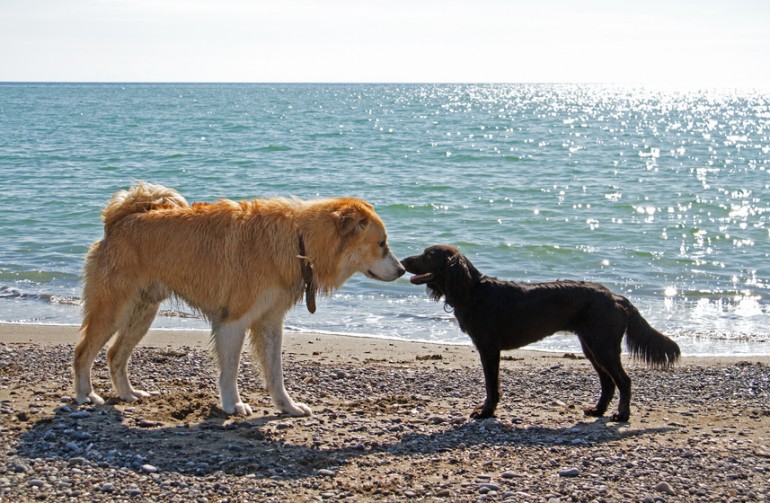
(419, 279)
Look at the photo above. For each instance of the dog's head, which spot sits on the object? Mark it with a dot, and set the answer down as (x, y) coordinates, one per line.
(446, 272)
(367, 241)
(356, 242)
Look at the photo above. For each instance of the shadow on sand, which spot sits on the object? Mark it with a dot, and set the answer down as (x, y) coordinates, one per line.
(104, 436)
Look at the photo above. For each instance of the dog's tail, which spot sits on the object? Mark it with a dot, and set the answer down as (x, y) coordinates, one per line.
(140, 198)
(646, 343)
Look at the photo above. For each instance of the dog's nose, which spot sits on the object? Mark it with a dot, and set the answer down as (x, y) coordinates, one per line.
(401, 270)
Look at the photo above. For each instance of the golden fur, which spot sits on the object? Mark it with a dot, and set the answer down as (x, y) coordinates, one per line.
(238, 263)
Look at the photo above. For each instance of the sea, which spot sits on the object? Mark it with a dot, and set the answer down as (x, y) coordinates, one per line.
(661, 194)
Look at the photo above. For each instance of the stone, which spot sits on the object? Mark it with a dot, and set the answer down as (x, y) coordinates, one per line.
(665, 487)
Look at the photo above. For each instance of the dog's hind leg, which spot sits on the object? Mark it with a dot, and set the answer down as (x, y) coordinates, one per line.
(134, 328)
(266, 340)
(614, 368)
(608, 385)
(228, 343)
(608, 358)
(98, 326)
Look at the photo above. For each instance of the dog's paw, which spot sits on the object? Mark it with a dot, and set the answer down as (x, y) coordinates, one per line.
(242, 409)
(593, 412)
(90, 398)
(237, 409)
(482, 413)
(619, 417)
(133, 395)
(297, 409)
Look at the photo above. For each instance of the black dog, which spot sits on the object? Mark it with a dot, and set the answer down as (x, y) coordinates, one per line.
(508, 315)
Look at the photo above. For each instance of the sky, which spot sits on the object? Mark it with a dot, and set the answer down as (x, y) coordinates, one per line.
(672, 42)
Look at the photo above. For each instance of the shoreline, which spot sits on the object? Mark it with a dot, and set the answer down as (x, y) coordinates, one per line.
(29, 333)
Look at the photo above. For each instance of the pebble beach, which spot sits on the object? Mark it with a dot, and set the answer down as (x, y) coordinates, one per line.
(390, 423)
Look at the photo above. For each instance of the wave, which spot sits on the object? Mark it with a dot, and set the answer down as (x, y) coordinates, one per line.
(8, 292)
(11, 293)
(273, 148)
(17, 273)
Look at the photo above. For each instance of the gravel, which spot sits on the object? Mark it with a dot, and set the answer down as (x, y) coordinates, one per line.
(381, 430)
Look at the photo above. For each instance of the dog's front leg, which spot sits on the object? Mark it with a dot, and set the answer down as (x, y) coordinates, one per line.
(490, 361)
(266, 341)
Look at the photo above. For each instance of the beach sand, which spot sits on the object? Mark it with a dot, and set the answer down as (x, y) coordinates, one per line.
(390, 423)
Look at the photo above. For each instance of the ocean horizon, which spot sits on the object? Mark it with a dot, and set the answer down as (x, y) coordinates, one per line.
(660, 194)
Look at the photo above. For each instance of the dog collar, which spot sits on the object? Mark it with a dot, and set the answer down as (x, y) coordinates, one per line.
(307, 276)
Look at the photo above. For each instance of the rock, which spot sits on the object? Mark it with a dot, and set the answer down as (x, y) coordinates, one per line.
(149, 468)
(665, 487)
(570, 472)
(21, 468)
(325, 473)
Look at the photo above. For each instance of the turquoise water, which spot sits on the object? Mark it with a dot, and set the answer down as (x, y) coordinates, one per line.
(662, 195)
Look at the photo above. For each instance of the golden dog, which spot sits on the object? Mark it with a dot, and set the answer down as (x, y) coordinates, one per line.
(243, 265)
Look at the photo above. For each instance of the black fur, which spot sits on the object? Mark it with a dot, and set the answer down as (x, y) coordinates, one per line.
(508, 315)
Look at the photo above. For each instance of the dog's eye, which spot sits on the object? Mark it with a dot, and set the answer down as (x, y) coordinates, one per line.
(381, 244)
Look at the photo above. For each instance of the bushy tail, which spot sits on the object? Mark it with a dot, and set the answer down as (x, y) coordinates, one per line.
(646, 343)
(139, 199)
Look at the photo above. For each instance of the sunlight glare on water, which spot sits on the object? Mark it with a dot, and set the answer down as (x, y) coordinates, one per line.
(662, 195)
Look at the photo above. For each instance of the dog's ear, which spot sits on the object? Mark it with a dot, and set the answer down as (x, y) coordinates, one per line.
(350, 220)
(460, 276)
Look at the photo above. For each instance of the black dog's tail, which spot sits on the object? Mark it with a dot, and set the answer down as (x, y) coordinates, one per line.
(646, 343)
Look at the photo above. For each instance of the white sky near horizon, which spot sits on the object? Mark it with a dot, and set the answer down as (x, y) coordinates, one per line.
(684, 42)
